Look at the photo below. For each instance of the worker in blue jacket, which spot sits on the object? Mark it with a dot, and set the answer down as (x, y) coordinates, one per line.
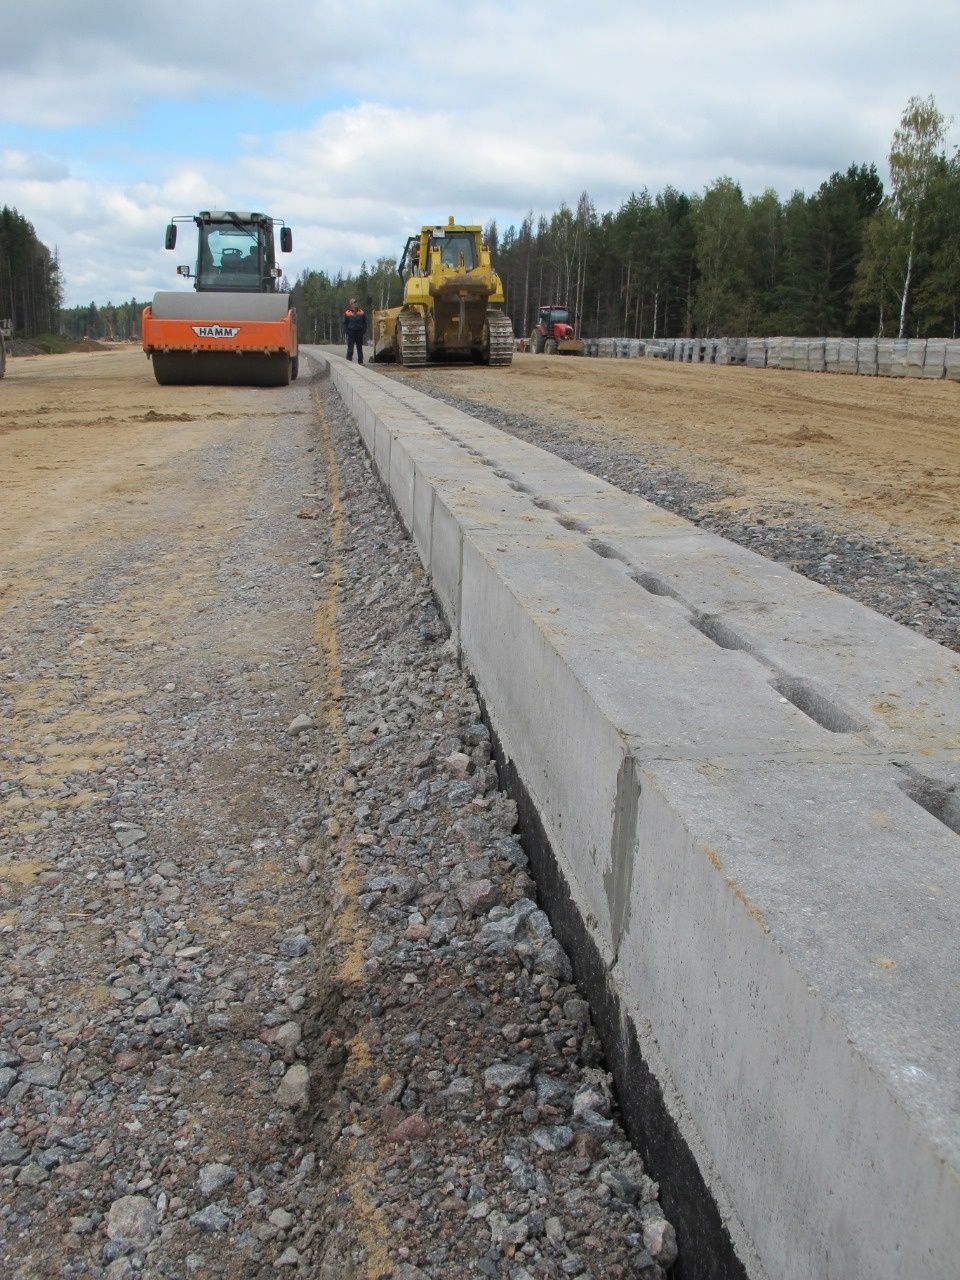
(355, 327)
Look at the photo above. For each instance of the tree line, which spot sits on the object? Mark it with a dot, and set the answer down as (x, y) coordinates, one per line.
(31, 289)
(119, 323)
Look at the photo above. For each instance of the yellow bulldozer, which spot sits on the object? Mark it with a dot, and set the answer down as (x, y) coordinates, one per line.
(452, 302)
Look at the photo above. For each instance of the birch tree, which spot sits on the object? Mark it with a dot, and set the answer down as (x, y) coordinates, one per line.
(913, 159)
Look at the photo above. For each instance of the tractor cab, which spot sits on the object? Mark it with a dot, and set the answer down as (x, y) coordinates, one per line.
(235, 252)
(552, 318)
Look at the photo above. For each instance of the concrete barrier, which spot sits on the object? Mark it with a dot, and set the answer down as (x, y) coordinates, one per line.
(748, 787)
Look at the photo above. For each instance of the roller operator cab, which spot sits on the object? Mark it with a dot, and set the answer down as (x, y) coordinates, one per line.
(237, 326)
(452, 302)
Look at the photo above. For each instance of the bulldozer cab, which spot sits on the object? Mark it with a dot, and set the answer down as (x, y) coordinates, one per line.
(441, 249)
(456, 250)
(235, 252)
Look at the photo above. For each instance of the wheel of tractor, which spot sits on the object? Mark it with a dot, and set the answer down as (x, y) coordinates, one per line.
(535, 345)
(550, 347)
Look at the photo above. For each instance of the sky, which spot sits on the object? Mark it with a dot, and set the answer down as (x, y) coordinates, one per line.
(356, 122)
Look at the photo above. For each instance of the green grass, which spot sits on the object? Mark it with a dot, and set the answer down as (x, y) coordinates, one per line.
(54, 344)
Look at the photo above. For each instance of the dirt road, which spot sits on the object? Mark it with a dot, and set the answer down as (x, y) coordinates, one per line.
(253, 865)
(879, 454)
(157, 884)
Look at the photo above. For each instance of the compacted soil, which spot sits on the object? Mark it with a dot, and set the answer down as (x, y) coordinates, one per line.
(275, 993)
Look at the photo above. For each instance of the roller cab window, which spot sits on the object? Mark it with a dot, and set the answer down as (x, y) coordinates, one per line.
(231, 257)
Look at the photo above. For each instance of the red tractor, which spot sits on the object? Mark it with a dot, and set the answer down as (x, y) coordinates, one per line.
(554, 334)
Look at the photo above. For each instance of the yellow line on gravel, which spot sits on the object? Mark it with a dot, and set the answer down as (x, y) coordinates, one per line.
(350, 933)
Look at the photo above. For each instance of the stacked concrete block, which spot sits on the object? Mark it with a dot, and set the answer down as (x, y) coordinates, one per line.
(935, 358)
(916, 353)
(831, 355)
(932, 358)
(898, 361)
(847, 359)
(756, 353)
(816, 355)
(867, 357)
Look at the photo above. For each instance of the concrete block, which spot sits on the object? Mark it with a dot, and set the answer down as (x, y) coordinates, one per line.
(774, 346)
(935, 358)
(756, 353)
(916, 357)
(750, 787)
(867, 357)
(831, 355)
(952, 359)
(847, 356)
(898, 360)
(885, 354)
(816, 354)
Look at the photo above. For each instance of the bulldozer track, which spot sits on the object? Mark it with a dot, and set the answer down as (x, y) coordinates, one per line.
(500, 328)
(412, 341)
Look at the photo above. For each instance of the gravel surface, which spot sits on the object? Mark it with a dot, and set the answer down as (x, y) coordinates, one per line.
(923, 595)
(275, 994)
